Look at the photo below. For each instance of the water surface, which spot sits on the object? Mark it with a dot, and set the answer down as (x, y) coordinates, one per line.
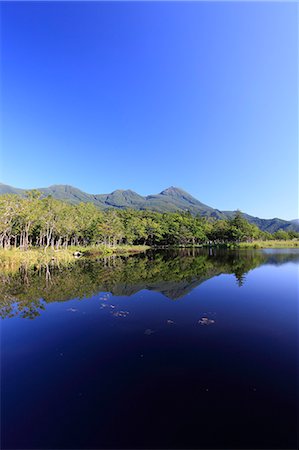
(186, 349)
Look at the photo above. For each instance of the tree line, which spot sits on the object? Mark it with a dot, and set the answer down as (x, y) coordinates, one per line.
(33, 221)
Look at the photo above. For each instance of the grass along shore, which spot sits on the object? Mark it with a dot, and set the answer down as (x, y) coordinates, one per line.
(13, 258)
(273, 243)
(291, 243)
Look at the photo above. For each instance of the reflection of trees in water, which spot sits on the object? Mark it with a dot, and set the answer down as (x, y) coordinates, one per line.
(173, 273)
(240, 277)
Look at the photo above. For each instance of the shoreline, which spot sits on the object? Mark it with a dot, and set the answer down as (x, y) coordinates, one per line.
(36, 258)
(237, 245)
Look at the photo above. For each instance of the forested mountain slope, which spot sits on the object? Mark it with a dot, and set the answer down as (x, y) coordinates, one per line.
(171, 199)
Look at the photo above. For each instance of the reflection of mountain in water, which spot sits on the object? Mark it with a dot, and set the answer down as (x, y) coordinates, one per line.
(170, 289)
(175, 290)
(172, 273)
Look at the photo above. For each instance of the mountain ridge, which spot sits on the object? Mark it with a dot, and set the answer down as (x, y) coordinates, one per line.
(171, 199)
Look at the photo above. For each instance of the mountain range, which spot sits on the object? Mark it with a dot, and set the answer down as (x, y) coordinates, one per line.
(171, 199)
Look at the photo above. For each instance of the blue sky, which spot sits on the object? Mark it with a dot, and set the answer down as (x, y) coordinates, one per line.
(203, 96)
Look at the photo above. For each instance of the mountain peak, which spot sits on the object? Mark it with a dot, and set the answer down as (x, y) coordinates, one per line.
(61, 186)
(171, 190)
(124, 192)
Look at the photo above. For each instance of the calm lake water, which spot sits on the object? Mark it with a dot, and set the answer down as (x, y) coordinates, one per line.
(187, 349)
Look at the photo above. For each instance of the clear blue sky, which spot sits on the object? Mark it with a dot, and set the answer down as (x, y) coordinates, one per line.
(203, 96)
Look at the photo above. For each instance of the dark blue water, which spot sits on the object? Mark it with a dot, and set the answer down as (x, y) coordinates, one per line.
(202, 354)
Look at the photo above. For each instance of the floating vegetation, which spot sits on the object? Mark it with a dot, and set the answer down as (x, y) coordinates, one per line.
(148, 332)
(120, 313)
(104, 305)
(206, 321)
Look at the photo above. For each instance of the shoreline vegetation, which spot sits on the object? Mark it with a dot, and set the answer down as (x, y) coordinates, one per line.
(38, 231)
(37, 258)
(274, 243)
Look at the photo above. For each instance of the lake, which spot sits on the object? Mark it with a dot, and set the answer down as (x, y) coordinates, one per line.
(168, 349)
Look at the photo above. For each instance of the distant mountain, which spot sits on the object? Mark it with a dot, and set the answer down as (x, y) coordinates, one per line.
(169, 200)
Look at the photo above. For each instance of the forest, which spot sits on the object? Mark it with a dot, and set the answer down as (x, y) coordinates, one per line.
(35, 222)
